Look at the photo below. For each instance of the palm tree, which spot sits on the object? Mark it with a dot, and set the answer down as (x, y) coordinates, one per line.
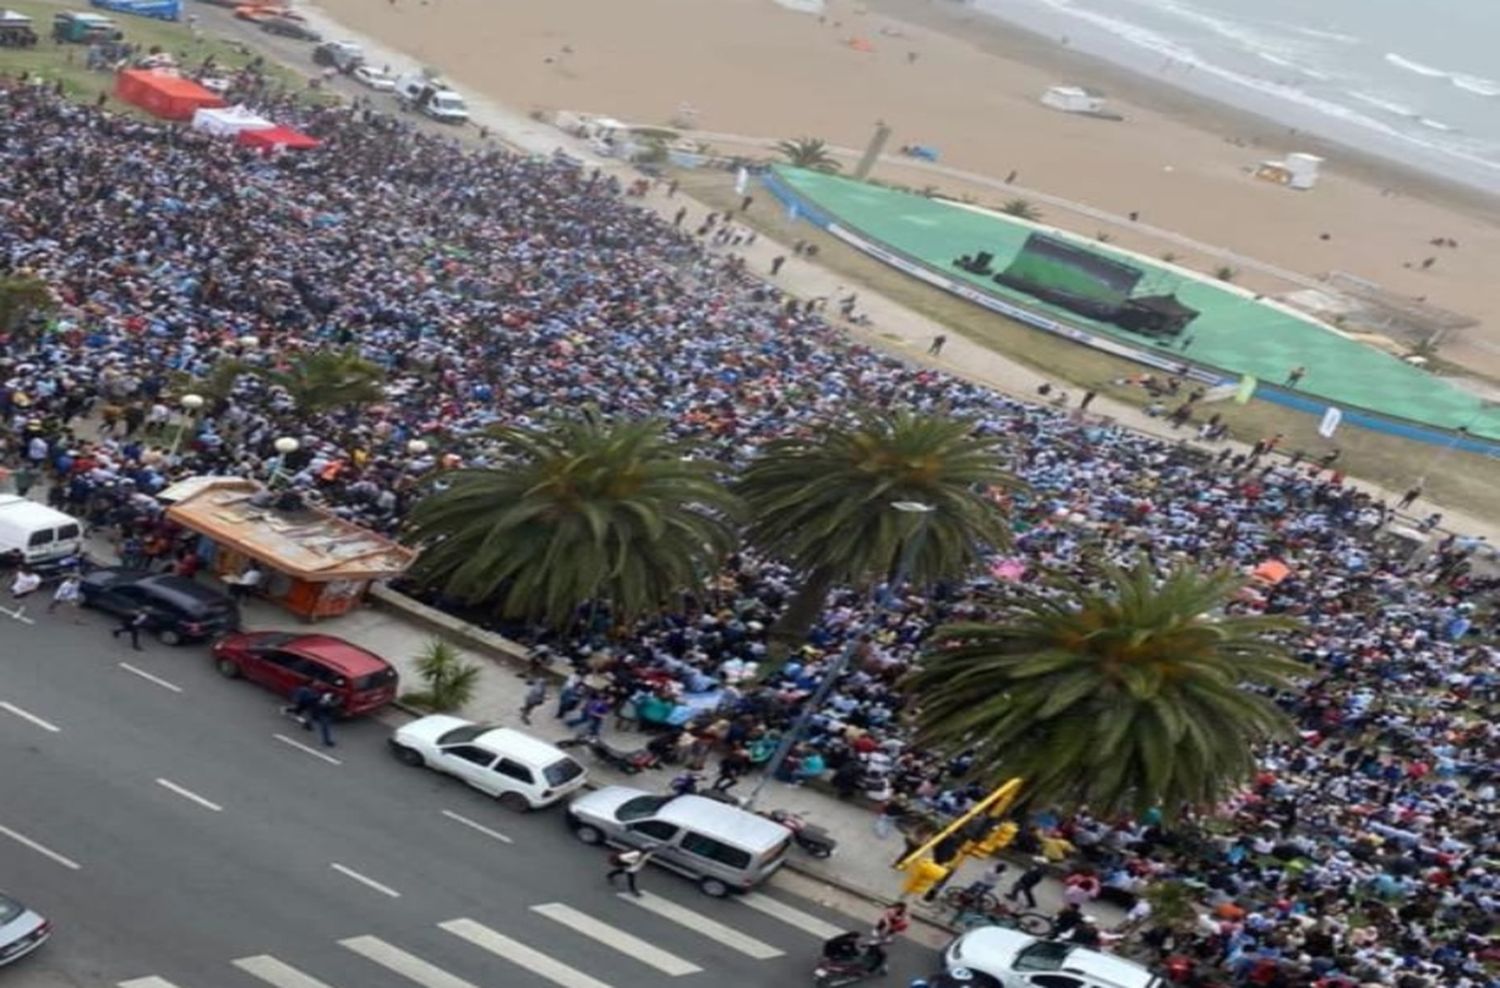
(808, 152)
(327, 379)
(1126, 697)
(1021, 209)
(21, 297)
(821, 503)
(583, 511)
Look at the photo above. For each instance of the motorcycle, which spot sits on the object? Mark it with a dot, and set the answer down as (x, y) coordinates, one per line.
(846, 961)
(809, 836)
(629, 762)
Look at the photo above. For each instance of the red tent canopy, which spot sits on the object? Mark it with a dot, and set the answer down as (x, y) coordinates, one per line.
(276, 137)
(163, 94)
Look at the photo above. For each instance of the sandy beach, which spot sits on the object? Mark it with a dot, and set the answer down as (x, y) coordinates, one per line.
(944, 76)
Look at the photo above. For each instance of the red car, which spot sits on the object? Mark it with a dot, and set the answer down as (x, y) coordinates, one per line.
(281, 661)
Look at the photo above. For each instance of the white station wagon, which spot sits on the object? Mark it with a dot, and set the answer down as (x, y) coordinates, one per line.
(1019, 960)
(522, 772)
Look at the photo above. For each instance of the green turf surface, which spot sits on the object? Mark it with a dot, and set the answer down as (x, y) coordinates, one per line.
(1233, 332)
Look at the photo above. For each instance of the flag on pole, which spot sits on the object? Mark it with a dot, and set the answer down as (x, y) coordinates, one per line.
(1246, 390)
(1331, 420)
(741, 181)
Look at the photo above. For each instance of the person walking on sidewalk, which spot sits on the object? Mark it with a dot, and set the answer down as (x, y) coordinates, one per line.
(628, 863)
(776, 263)
(1030, 879)
(131, 625)
(935, 349)
(536, 695)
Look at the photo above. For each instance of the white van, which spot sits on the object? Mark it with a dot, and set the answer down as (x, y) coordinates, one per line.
(724, 848)
(45, 537)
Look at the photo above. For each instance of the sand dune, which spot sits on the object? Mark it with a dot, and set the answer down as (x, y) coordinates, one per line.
(945, 77)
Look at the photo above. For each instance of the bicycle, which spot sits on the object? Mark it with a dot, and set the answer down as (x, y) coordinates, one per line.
(977, 907)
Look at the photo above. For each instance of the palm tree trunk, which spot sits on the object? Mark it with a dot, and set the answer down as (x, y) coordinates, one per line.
(791, 628)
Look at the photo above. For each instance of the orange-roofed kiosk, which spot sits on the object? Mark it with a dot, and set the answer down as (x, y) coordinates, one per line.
(312, 562)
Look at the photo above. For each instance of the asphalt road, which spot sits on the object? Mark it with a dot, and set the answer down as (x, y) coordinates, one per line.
(171, 822)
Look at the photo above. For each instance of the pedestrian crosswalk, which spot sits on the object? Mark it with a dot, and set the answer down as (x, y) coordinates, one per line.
(645, 958)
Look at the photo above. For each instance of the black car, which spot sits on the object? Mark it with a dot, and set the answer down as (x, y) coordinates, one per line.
(177, 609)
(289, 28)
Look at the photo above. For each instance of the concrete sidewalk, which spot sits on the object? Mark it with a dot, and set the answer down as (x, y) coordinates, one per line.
(862, 864)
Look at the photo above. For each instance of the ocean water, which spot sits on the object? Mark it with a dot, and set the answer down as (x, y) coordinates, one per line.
(1417, 81)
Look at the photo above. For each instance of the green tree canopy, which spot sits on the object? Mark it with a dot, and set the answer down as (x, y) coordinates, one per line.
(582, 510)
(822, 503)
(326, 379)
(1125, 697)
(808, 152)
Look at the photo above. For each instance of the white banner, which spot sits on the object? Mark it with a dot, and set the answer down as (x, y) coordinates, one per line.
(1331, 420)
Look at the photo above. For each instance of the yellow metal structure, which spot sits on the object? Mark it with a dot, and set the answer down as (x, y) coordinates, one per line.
(996, 804)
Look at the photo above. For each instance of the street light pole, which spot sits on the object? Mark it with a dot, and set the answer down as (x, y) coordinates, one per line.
(846, 655)
(190, 405)
(285, 446)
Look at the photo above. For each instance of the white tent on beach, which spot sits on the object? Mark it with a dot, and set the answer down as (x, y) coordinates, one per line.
(228, 121)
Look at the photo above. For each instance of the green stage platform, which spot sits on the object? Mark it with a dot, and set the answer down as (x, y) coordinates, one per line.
(1233, 333)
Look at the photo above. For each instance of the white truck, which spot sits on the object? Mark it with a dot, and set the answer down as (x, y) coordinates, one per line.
(37, 536)
(431, 96)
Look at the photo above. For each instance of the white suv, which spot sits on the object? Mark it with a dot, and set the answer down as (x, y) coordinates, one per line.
(521, 771)
(1018, 960)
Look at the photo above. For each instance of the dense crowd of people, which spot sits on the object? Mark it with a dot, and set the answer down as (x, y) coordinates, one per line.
(500, 288)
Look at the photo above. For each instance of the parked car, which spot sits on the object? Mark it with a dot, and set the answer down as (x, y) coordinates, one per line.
(345, 56)
(261, 11)
(1019, 960)
(177, 608)
(21, 930)
(289, 27)
(84, 28)
(282, 661)
(521, 771)
(724, 848)
(367, 75)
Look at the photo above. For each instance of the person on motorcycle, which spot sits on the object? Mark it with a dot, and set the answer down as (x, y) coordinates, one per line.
(842, 949)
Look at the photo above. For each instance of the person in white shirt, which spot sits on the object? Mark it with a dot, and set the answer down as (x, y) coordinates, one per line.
(68, 592)
(24, 583)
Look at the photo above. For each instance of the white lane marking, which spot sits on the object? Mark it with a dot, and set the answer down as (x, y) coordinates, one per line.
(27, 715)
(41, 849)
(521, 955)
(806, 922)
(404, 964)
(310, 750)
(148, 677)
(19, 614)
(477, 826)
(613, 936)
(188, 794)
(683, 916)
(151, 982)
(274, 972)
(365, 880)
